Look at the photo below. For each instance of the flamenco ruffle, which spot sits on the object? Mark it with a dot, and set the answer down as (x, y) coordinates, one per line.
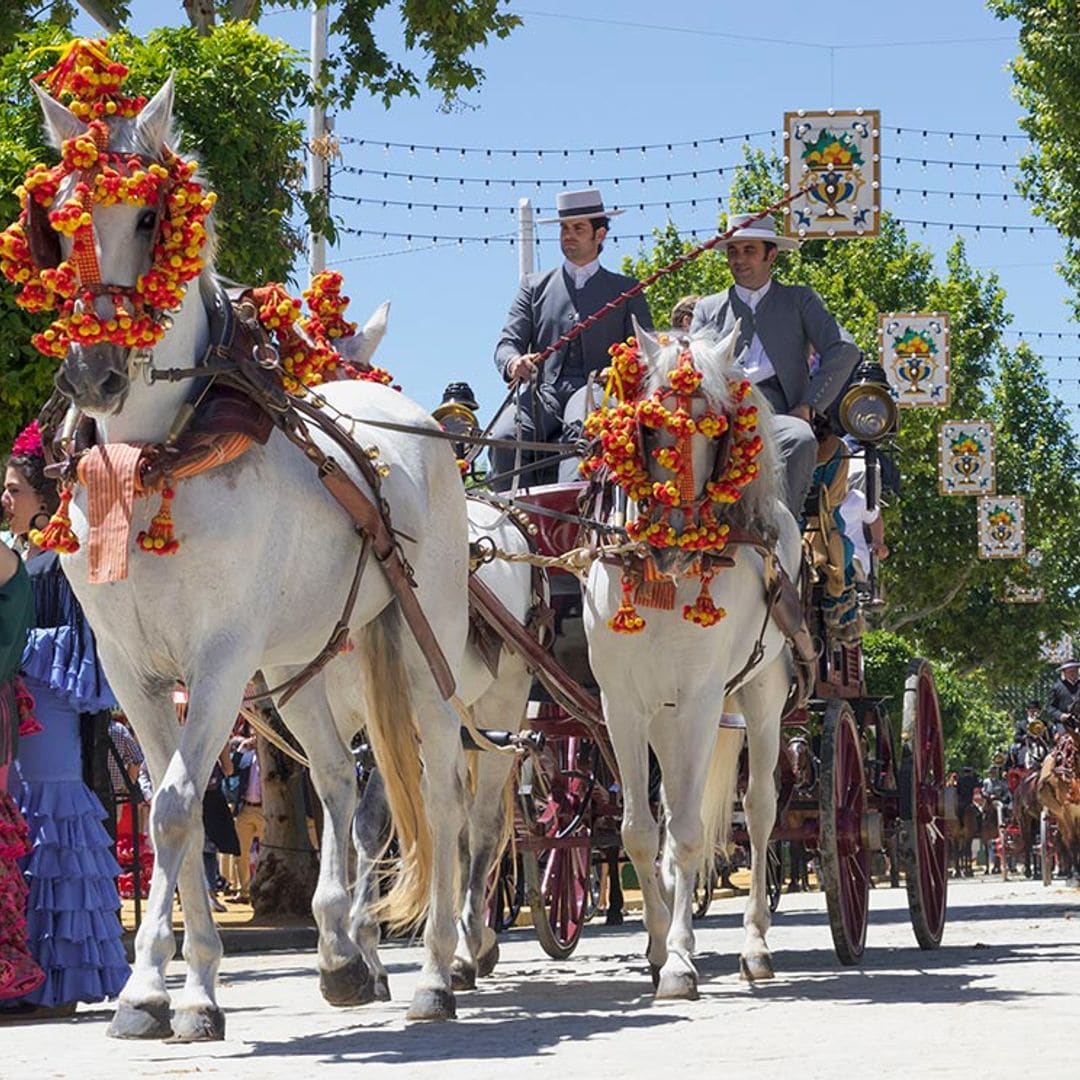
(72, 926)
(19, 974)
(58, 657)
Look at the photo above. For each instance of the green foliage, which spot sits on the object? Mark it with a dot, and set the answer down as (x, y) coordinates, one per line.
(1047, 86)
(939, 594)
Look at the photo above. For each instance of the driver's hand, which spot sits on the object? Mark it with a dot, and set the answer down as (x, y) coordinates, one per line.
(522, 368)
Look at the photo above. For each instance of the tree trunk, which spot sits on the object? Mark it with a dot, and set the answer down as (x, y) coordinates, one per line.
(200, 14)
(288, 867)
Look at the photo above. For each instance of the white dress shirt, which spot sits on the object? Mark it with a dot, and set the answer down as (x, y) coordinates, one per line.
(755, 360)
(581, 274)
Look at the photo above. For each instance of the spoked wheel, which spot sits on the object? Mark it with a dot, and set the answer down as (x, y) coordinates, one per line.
(703, 892)
(556, 793)
(922, 785)
(845, 860)
(774, 874)
(1046, 847)
(506, 892)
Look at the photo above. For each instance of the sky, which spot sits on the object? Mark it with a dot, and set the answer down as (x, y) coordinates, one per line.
(601, 79)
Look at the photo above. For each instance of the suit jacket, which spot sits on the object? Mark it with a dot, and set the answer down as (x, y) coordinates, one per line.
(547, 305)
(789, 319)
(1063, 697)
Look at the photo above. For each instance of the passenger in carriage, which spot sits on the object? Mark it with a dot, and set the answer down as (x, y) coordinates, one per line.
(682, 314)
(546, 306)
(779, 325)
(1064, 700)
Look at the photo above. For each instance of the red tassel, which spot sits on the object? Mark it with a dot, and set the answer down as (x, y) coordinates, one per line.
(159, 538)
(627, 620)
(57, 535)
(703, 611)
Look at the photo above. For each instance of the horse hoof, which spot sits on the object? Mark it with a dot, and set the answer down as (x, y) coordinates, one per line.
(486, 964)
(756, 968)
(381, 987)
(198, 1025)
(149, 1021)
(462, 975)
(677, 986)
(350, 984)
(432, 1005)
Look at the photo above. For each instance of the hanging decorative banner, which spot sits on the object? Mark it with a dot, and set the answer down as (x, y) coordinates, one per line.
(837, 155)
(1022, 594)
(1001, 527)
(966, 458)
(914, 351)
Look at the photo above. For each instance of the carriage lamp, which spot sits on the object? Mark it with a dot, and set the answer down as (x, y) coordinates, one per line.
(868, 411)
(457, 413)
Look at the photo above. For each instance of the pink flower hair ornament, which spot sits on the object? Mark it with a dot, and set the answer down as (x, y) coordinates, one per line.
(28, 442)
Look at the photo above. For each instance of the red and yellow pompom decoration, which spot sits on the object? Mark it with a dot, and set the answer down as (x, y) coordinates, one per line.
(307, 344)
(616, 427)
(159, 539)
(104, 178)
(58, 534)
(627, 620)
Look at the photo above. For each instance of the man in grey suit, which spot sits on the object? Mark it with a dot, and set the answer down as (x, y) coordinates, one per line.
(781, 325)
(546, 306)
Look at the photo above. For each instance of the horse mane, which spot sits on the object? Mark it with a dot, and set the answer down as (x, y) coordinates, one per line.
(715, 359)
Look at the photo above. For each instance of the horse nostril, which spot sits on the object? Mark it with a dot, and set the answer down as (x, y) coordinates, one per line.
(114, 384)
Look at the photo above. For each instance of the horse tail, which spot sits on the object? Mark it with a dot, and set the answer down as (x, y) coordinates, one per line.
(395, 742)
(720, 784)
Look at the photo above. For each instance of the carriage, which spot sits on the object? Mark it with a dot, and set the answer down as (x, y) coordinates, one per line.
(879, 788)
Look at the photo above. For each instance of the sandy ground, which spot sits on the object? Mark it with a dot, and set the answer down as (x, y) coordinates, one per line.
(1001, 994)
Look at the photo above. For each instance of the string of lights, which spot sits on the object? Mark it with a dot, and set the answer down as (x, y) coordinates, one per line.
(388, 145)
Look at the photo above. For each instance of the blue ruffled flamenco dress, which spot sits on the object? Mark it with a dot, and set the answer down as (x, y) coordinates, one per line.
(73, 927)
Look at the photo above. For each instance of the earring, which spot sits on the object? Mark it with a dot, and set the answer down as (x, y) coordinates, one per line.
(34, 520)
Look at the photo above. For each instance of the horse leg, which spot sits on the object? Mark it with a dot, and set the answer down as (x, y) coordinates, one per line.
(142, 1010)
(761, 702)
(372, 828)
(344, 978)
(684, 751)
(640, 831)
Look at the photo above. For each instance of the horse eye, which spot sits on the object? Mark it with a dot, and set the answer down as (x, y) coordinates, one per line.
(147, 221)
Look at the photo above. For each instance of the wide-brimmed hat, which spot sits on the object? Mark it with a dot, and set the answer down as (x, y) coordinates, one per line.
(1071, 662)
(762, 229)
(578, 206)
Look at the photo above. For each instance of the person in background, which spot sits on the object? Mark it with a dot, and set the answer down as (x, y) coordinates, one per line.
(1064, 699)
(72, 924)
(682, 314)
(250, 825)
(19, 974)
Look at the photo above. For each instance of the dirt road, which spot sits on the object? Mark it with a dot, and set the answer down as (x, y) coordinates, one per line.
(1002, 995)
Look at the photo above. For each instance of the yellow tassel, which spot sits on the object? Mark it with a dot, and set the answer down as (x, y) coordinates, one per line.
(627, 620)
(159, 537)
(703, 611)
(58, 535)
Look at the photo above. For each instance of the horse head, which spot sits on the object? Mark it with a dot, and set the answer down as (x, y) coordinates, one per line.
(122, 232)
(697, 378)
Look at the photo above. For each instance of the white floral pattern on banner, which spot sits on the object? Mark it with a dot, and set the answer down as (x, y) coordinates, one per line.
(836, 154)
(914, 351)
(966, 458)
(1001, 527)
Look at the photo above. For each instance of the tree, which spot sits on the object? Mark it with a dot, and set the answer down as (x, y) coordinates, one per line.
(1047, 86)
(940, 594)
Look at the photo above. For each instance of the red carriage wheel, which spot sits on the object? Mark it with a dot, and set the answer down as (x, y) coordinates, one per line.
(845, 860)
(556, 797)
(922, 787)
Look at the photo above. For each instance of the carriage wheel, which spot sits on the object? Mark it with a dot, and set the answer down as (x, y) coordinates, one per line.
(845, 861)
(556, 798)
(1046, 847)
(774, 874)
(506, 892)
(922, 785)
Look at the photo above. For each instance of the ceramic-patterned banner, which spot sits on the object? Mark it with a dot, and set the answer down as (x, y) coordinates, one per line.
(1001, 527)
(966, 458)
(914, 351)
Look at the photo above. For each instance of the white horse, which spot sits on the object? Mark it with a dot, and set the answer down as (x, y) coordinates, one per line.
(665, 687)
(257, 584)
(497, 702)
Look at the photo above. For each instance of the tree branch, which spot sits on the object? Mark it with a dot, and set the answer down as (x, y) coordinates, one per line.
(102, 18)
(933, 609)
(243, 9)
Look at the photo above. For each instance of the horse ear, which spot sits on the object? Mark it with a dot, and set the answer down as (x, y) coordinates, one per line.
(360, 348)
(60, 122)
(154, 122)
(648, 344)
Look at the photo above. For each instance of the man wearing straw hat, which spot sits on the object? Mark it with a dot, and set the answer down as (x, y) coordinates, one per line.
(779, 326)
(547, 305)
